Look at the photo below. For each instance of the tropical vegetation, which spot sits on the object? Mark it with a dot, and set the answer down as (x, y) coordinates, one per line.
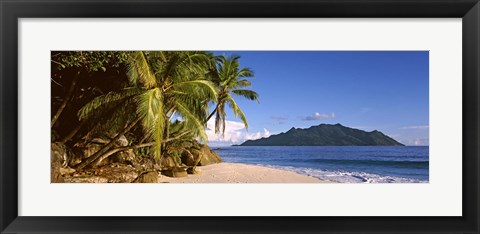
(157, 102)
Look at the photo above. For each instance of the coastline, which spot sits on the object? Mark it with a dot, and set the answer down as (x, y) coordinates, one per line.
(242, 173)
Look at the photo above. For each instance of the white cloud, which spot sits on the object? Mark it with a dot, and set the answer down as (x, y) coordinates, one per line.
(317, 116)
(415, 127)
(235, 133)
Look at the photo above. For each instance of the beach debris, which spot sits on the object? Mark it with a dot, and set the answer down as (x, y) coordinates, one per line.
(114, 173)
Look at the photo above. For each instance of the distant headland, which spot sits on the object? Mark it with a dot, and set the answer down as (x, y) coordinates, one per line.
(325, 135)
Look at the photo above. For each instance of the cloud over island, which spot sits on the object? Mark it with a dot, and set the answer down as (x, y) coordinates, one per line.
(235, 133)
(318, 116)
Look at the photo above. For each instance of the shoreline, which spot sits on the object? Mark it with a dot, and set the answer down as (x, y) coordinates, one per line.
(242, 173)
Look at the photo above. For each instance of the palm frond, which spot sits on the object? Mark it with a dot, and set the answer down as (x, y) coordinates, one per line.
(248, 94)
(243, 83)
(150, 107)
(158, 133)
(160, 55)
(115, 120)
(236, 110)
(140, 71)
(191, 85)
(105, 103)
(245, 72)
(229, 81)
(148, 103)
(191, 120)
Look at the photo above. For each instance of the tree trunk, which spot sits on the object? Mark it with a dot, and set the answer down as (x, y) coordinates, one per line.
(103, 150)
(211, 115)
(167, 132)
(65, 101)
(143, 139)
(116, 150)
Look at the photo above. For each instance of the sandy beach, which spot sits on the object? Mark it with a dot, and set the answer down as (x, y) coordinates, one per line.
(242, 173)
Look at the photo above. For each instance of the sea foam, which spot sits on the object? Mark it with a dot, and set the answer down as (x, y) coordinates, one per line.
(346, 176)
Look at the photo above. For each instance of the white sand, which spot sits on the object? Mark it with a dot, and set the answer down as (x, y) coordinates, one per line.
(242, 173)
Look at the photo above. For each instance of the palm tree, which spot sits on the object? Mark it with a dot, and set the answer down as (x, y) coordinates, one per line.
(231, 79)
(163, 85)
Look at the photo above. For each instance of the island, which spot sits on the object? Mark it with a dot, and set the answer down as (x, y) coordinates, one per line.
(325, 135)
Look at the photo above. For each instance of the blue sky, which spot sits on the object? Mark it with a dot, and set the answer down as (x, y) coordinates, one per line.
(376, 90)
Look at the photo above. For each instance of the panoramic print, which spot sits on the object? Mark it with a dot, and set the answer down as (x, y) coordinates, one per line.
(239, 117)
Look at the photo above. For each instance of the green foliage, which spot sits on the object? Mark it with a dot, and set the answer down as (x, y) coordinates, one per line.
(91, 61)
(163, 84)
(230, 78)
(174, 83)
(150, 107)
(236, 110)
(117, 119)
(105, 103)
(176, 147)
(169, 91)
(139, 70)
(143, 151)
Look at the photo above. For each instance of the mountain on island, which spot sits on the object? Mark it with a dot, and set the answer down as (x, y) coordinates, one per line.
(325, 135)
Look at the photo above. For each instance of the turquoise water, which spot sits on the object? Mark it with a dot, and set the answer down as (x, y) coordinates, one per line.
(347, 164)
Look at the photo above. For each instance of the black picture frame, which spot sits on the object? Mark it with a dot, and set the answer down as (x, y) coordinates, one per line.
(11, 11)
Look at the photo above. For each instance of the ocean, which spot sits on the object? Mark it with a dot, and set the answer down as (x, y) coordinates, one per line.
(345, 164)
